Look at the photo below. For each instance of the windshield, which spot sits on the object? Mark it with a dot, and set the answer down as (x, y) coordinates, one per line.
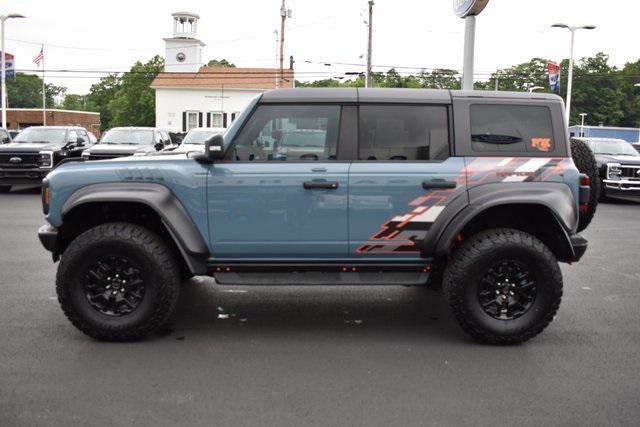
(42, 136)
(128, 136)
(613, 148)
(198, 137)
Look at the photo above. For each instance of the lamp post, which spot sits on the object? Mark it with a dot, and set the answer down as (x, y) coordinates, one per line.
(638, 85)
(3, 68)
(582, 116)
(573, 30)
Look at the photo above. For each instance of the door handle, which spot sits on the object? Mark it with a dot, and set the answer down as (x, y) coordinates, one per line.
(438, 183)
(320, 185)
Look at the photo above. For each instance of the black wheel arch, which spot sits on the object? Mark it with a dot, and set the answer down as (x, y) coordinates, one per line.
(148, 204)
(548, 213)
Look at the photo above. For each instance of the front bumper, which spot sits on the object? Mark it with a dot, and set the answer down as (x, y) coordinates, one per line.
(622, 189)
(48, 236)
(22, 176)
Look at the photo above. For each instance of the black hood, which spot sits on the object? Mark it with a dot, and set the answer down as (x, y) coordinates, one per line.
(121, 148)
(29, 147)
(603, 159)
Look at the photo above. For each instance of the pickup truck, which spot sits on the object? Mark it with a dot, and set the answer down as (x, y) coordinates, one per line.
(473, 192)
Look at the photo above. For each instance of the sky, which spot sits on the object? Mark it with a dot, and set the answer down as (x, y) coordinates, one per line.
(102, 36)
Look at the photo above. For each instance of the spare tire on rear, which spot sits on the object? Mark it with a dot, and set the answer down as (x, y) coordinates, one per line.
(586, 163)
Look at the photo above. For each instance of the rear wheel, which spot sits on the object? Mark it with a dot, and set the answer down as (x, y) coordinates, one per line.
(118, 282)
(586, 163)
(504, 286)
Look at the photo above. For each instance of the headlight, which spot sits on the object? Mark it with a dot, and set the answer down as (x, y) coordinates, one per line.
(45, 159)
(86, 155)
(614, 170)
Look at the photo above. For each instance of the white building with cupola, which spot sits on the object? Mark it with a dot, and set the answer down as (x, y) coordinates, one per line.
(190, 94)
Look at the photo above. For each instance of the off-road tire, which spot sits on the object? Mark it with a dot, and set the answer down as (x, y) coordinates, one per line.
(5, 188)
(158, 268)
(471, 262)
(586, 163)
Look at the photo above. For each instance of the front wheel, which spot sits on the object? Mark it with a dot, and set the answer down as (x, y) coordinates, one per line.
(504, 286)
(118, 282)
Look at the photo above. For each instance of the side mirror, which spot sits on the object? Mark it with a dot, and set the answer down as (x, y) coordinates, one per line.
(158, 146)
(80, 141)
(214, 148)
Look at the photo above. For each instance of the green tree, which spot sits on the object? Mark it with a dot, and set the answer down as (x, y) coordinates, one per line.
(74, 102)
(134, 102)
(597, 91)
(220, 63)
(100, 96)
(25, 91)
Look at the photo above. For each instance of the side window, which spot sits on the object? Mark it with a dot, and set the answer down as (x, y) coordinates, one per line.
(403, 132)
(289, 133)
(511, 128)
(72, 136)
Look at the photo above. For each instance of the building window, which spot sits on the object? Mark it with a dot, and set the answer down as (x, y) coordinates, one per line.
(216, 119)
(191, 120)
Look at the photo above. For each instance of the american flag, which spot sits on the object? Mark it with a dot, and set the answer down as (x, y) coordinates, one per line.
(38, 59)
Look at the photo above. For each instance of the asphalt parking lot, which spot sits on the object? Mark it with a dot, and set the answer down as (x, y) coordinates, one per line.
(321, 356)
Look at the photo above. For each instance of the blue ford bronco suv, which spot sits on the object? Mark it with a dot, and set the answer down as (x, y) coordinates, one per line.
(473, 192)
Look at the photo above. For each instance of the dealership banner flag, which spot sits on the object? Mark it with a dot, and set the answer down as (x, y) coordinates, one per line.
(10, 70)
(554, 77)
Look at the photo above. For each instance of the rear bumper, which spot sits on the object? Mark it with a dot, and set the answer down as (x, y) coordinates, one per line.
(578, 246)
(48, 236)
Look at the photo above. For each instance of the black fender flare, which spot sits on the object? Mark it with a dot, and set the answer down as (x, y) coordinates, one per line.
(556, 197)
(174, 216)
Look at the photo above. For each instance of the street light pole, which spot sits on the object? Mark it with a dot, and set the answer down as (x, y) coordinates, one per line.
(570, 77)
(582, 116)
(638, 85)
(369, 82)
(3, 66)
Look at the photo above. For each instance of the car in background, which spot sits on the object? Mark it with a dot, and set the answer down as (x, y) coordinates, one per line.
(5, 136)
(619, 167)
(129, 141)
(636, 145)
(92, 138)
(36, 151)
(194, 140)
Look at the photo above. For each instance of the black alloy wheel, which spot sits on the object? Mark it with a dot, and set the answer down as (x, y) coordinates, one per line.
(507, 291)
(114, 286)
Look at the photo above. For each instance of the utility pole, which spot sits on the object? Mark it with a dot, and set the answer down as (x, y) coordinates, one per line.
(369, 82)
(3, 67)
(284, 13)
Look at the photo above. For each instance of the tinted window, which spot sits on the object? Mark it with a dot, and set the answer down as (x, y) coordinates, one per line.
(511, 128)
(403, 133)
(289, 133)
(42, 135)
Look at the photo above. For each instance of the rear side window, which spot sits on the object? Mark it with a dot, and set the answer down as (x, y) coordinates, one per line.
(403, 132)
(511, 128)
